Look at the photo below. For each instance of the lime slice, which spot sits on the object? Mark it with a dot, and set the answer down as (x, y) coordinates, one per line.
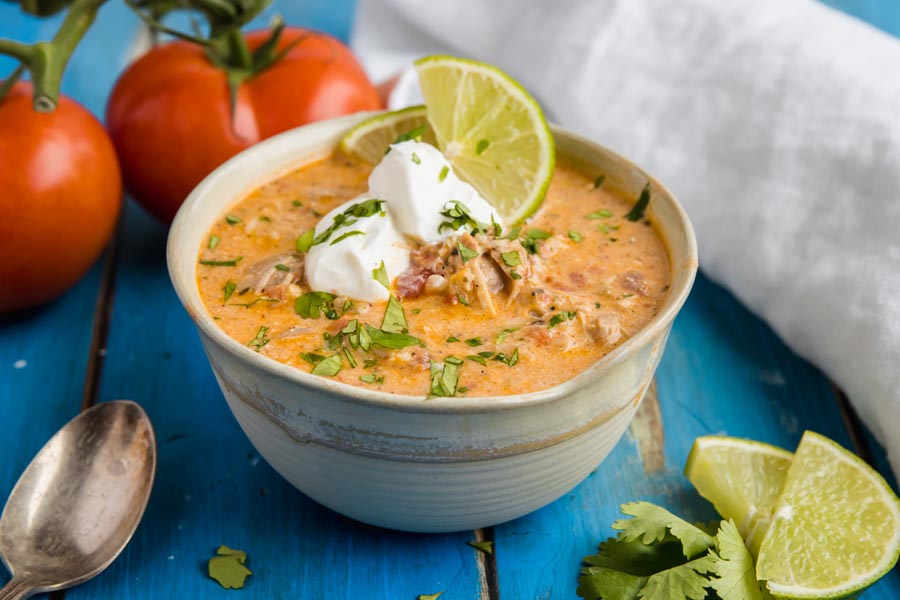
(491, 130)
(370, 139)
(741, 478)
(836, 528)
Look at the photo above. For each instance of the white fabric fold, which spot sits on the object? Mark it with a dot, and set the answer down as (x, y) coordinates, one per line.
(776, 123)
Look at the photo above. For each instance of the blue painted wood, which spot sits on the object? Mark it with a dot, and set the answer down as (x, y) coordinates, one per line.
(723, 372)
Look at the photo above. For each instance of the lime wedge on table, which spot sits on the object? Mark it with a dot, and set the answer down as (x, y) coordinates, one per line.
(836, 528)
(371, 138)
(741, 478)
(489, 128)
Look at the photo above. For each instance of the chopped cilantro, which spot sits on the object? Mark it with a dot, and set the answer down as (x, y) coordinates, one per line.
(640, 207)
(474, 341)
(221, 263)
(392, 341)
(445, 170)
(459, 216)
(515, 275)
(444, 379)
(228, 289)
(513, 358)
(465, 252)
(394, 320)
(379, 274)
(296, 203)
(344, 236)
(462, 299)
(328, 366)
(599, 181)
(512, 258)
(349, 356)
(260, 340)
(228, 569)
(603, 213)
(372, 378)
(282, 267)
(502, 337)
(415, 158)
(413, 134)
(481, 146)
(254, 302)
(560, 317)
(312, 304)
(213, 242)
(479, 359)
(312, 358)
(512, 234)
(265, 219)
(232, 220)
(416, 311)
(575, 236)
(486, 547)
(305, 241)
(370, 362)
(350, 216)
(452, 339)
(429, 596)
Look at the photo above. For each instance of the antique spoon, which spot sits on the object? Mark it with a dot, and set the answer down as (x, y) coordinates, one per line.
(78, 503)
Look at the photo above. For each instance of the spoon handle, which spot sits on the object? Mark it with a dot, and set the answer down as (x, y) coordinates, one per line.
(16, 589)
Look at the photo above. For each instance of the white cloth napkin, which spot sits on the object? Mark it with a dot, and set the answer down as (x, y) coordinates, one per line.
(775, 122)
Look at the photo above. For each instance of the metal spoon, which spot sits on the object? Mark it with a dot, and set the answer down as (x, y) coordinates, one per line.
(78, 503)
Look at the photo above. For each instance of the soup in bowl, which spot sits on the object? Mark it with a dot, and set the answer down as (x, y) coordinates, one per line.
(503, 366)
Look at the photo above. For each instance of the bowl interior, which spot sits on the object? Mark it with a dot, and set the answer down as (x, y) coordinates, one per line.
(280, 154)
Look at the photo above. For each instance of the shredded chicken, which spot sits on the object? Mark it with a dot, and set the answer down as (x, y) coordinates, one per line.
(275, 276)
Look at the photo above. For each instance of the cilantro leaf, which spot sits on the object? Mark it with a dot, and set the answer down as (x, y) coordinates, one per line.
(640, 207)
(328, 366)
(429, 596)
(600, 583)
(387, 339)
(312, 304)
(636, 558)
(734, 566)
(466, 253)
(685, 582)
(394, 320)
(227, 568)
(652, 523)
(379, 274)
(486, 547)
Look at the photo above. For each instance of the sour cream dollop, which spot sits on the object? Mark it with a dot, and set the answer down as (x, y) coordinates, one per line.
(416, 184)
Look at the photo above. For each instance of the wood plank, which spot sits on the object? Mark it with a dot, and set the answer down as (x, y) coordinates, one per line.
(724, 372)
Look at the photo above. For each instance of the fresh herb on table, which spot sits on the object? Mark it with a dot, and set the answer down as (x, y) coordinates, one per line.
(213, 242)
(640, 207)
(221, 263)
(429, 596)
(228, 568)
(658, 556)
(486, 547)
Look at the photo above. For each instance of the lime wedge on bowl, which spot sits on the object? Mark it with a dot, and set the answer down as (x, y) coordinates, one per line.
(741, 478)
(371, 138)
(491, 130)
(836, 528)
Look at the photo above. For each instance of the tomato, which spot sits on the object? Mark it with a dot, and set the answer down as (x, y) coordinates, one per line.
(169, 114)
(60, 195)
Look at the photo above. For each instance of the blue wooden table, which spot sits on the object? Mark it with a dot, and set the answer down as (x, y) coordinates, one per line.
(121, 333)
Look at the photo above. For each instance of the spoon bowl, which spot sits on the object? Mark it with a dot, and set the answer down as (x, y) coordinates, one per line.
(80, 500)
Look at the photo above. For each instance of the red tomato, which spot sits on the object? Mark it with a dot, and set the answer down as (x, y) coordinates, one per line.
(170, 120)
(60, 193)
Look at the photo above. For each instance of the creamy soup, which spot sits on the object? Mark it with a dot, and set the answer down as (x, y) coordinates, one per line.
(495, 313)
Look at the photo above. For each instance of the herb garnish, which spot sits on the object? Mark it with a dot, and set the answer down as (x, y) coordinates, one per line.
(213, 242)
(351, 215)
(232, 220)
(444, 379)
(228, 289)
(479, 359)
(481, 146)
(599, 181)
(296, 203)
(415, 158)
(445, 170)
(462, 299)
(346, 235)
(575, 236)
(392, 341)
(282, 267)
(429, 596)
(459, 216)
(379, 274)
(466, 253)
(413, 134)
(394, 320)
(603, 213)
(474, 341)
(532, 236)
(305, 241)
(502, 337)
(312, 358)
(452, 339)
(228, 569)
(640, 207)
(260, 340)
(221, 263)
(349, 356)
(372, 378)
(558, 318)
(328, 366)
(312, 304)
(254, 302)
(512, 258)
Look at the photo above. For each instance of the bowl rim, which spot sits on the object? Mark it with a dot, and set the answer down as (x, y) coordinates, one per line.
(458, 405)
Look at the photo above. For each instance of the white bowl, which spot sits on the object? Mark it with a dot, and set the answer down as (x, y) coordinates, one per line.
(406, 462)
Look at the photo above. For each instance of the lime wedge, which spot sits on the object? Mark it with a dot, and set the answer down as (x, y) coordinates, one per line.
(741, 478)
(836, 528)
(370, 139)
(491, 130)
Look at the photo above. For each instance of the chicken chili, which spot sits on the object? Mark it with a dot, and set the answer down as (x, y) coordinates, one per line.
(492, 312)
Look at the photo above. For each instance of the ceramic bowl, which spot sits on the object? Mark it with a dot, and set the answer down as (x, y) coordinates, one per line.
(407, 462)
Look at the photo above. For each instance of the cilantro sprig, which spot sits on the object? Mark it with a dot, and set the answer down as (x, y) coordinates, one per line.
(659, 556)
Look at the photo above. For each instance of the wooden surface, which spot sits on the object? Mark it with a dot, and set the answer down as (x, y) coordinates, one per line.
(121, 333)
